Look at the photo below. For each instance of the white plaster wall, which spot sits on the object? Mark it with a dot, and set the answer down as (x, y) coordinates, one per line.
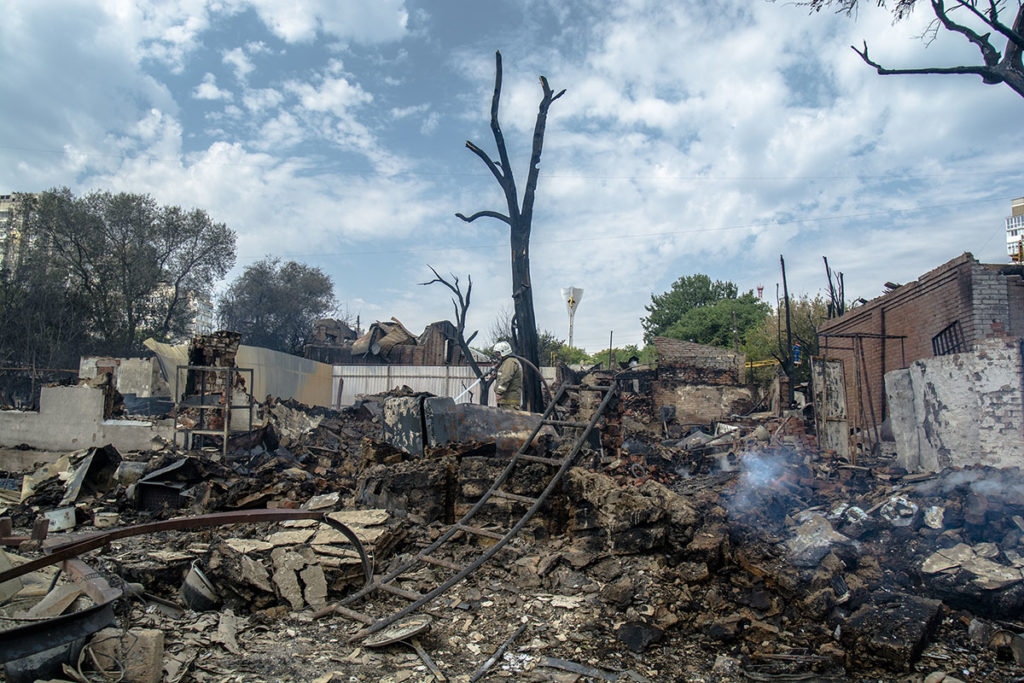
(70, 418)
(958, 410)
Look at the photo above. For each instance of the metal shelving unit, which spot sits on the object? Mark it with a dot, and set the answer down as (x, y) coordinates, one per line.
(224, 406)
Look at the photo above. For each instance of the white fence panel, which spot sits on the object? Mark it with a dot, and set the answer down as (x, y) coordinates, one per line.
(440, 380)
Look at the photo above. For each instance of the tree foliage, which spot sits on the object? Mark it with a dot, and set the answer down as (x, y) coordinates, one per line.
(687, 293)
(274, 305)
(973, 20)
(766, 340)
(699, 310)
(99, 273)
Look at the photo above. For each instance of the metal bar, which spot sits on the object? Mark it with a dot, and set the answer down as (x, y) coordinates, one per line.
(400, 592)
(541, 459)
(478, 531)
(493, 659)
(74, 548)
(516, 497)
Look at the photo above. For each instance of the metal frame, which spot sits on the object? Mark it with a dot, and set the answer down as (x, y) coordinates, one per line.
(226, 408)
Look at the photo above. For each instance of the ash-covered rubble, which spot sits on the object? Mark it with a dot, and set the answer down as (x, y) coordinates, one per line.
(725, 552)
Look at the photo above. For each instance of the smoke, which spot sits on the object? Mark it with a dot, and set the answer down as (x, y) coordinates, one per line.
(1005, 484)
(759, 476)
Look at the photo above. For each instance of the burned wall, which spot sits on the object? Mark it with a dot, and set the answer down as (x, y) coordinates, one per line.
(70, 418)
(703, 383)
(962, 409)
(960, 302)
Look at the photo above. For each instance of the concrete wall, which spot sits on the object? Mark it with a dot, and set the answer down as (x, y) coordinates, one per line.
(962, 409)
(70, 418)
(138, 376)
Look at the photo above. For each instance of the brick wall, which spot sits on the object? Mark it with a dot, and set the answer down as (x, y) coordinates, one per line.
(698, 364)
(961, 291)
(991, 313)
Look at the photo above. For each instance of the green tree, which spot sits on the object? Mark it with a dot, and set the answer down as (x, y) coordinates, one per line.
(687, 293)
(274, 305)
(722, 323)
(124, 263)
(699, 310)
(646, 355)
(766, 341)
(975, 21)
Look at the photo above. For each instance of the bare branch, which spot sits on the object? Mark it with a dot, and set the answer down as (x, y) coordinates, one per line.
(538, 145)
(992, 19)
(485, 214)
(988, 52)
(985, 72)
(492, 166)
(509, 183)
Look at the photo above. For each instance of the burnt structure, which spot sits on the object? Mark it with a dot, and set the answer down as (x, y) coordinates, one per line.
(385, 343)
(947, 310)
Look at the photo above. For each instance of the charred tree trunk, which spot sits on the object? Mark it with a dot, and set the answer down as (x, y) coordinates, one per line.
(519, 219)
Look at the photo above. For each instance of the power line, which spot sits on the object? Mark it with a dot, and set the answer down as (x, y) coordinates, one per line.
(636, 236)
(273, 161)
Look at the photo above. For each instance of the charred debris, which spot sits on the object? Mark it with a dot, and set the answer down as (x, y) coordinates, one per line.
(653, 525)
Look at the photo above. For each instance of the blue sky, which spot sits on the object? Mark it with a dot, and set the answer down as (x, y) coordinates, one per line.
(693, 137)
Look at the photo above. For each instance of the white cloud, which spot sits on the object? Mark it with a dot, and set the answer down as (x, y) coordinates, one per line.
(260, 99)
(239, 63)
(208, 90)
(364, 22)
(332, 94)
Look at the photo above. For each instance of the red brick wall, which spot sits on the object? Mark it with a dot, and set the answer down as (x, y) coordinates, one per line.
(917, 311)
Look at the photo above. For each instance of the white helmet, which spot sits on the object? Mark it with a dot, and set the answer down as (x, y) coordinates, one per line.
(503, 348)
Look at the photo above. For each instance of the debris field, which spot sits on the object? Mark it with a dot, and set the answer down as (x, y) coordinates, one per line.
(734, 551)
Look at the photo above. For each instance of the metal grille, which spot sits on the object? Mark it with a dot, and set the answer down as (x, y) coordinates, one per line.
(949, 340)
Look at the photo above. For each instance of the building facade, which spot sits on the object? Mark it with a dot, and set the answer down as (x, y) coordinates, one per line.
(12, 224)
(947, 310)
(1015, 231)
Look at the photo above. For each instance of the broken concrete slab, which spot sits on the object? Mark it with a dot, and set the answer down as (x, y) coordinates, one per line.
(813, 540)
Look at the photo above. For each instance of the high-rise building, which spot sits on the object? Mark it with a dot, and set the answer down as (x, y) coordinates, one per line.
(11, 228)
(1015, 230)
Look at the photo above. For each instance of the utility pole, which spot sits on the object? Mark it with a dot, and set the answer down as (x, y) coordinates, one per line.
(788, 355)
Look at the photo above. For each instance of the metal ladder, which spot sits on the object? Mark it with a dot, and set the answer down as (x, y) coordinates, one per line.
(428, 556)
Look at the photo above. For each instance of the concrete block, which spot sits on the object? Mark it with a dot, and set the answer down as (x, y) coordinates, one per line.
(139, 650)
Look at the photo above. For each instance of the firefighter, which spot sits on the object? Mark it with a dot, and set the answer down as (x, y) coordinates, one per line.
(509, 387)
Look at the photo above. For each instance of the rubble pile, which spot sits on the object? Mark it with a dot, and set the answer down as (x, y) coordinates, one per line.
(725, 552)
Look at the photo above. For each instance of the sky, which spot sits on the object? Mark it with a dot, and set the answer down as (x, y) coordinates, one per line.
(693, 137)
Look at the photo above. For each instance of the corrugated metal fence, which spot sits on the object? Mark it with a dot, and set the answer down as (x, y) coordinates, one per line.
(440, 380)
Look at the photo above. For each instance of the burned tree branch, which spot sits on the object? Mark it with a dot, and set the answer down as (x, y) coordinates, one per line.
(985, 72)
(519, 219)
(485, 214)
(988, 51)
(491, 164)
(992, 20)
(460, 302)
